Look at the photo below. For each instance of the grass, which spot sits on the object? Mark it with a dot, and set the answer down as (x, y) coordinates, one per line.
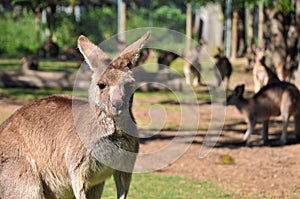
(44, 65)
(154, 185)
(29, 94)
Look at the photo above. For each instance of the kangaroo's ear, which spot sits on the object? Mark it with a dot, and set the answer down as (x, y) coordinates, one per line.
(93, 55)
(240, 90)
(129, 56)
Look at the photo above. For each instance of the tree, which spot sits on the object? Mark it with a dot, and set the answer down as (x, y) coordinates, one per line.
(37, 6)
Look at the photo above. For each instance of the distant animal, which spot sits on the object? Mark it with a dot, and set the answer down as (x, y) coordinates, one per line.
(29, 62)
(250, 55)
(66, 147)
(49, 49)
(262, 75)
(165, 58)
(223, 68)
(285, 70)
(275, 99)
(143, 56)
(192, 66)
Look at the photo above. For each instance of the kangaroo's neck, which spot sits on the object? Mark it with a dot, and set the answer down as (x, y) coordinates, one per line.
(243, 105)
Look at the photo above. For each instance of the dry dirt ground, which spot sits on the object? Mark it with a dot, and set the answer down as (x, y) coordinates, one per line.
(262, 170)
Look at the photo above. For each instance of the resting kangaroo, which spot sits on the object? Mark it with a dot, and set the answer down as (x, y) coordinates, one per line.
(48, 150)
(280, 98)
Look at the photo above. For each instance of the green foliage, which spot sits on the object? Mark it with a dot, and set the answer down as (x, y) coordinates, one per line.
(66, 31)
(17, 34)
(163, 16)
(99, 23)
(284, 6)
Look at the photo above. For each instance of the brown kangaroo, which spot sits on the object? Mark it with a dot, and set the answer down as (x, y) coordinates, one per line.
(222, 68)
(275, 99)
(65, 147)
(286, 69)
(262, 75)
(192, 66)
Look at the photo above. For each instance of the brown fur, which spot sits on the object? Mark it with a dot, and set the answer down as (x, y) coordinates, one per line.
(65, 147)
(192, 67)
(275, 99)
(222, 68)
(285, 69)
(262, 75)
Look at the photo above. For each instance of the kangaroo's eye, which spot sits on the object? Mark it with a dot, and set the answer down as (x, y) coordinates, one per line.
(101, 86)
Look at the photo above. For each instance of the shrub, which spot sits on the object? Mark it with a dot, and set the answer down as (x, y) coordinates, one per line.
(17, 34)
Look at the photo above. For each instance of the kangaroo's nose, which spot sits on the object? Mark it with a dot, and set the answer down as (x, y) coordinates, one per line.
(116, 107)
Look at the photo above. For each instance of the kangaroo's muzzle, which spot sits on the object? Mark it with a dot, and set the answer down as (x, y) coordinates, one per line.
(116, 107)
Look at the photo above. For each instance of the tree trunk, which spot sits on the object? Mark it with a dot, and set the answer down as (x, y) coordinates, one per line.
(51, 26)
(38, 16)
(188, 28)
(298, 21)
(228, 28)
(234, 36)
(53, 23)
(48, 23)
(260, 24)
(72, 5)
(249, 26)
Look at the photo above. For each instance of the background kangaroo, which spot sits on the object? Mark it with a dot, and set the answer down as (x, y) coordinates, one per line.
(280, 98)
(192, 67)
(48, 151)
(262, 75)
(223, 68)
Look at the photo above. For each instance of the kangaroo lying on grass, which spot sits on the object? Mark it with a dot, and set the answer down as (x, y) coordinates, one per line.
(280, 98)
(49, 151)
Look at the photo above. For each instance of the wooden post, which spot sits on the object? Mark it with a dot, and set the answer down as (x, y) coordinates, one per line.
(249, 25)
(228, 28)
(260, 23)
(121, 21)
(234, 36)
(188, 28)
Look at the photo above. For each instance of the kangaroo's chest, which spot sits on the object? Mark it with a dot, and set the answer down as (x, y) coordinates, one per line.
(98, 173)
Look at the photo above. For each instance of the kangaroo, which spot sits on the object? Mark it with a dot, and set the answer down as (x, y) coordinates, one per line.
(165, 58)
(223, 68)
(275, 99)
(262, 75)
(250, 55)
(29, 63)
(48, 150)
(286, 69)
(192, 67)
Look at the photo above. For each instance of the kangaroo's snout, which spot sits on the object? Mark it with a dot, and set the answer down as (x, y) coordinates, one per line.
(116, 107)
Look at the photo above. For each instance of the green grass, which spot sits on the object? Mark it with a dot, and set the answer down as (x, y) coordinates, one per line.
(29, 94)
(153, 185)
(44, 65)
